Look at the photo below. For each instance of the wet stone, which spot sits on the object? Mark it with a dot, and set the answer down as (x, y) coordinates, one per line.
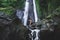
(4, 19)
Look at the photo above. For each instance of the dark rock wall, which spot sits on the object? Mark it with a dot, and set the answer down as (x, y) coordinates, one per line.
(9, 30)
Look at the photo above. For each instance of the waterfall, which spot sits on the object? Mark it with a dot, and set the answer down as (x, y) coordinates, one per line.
(29, 11)
(35, 12)
(26, 12)
(37, 33)
(23, 15)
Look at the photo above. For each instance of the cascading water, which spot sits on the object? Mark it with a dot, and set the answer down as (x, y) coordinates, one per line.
(26, 12)
(36, 34)
(35, 19)
(30, 12)
(35, 12)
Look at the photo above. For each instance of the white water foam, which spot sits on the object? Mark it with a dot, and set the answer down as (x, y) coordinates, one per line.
(37, 33)
(35, 12)
(26, 17)
(26, 12)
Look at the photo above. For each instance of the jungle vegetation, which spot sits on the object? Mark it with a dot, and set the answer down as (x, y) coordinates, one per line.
(15, 31)
(44, 7)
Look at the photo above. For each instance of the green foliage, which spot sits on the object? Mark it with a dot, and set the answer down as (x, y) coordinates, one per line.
(7, 10)
(20, 4)
(53, 7)
(58, 9)
(9, 6)
(38, 8)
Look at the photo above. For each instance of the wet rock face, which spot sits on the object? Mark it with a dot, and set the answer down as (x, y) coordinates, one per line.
(5, 22)
(9, 29)
(4, 19)
(52, 35)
